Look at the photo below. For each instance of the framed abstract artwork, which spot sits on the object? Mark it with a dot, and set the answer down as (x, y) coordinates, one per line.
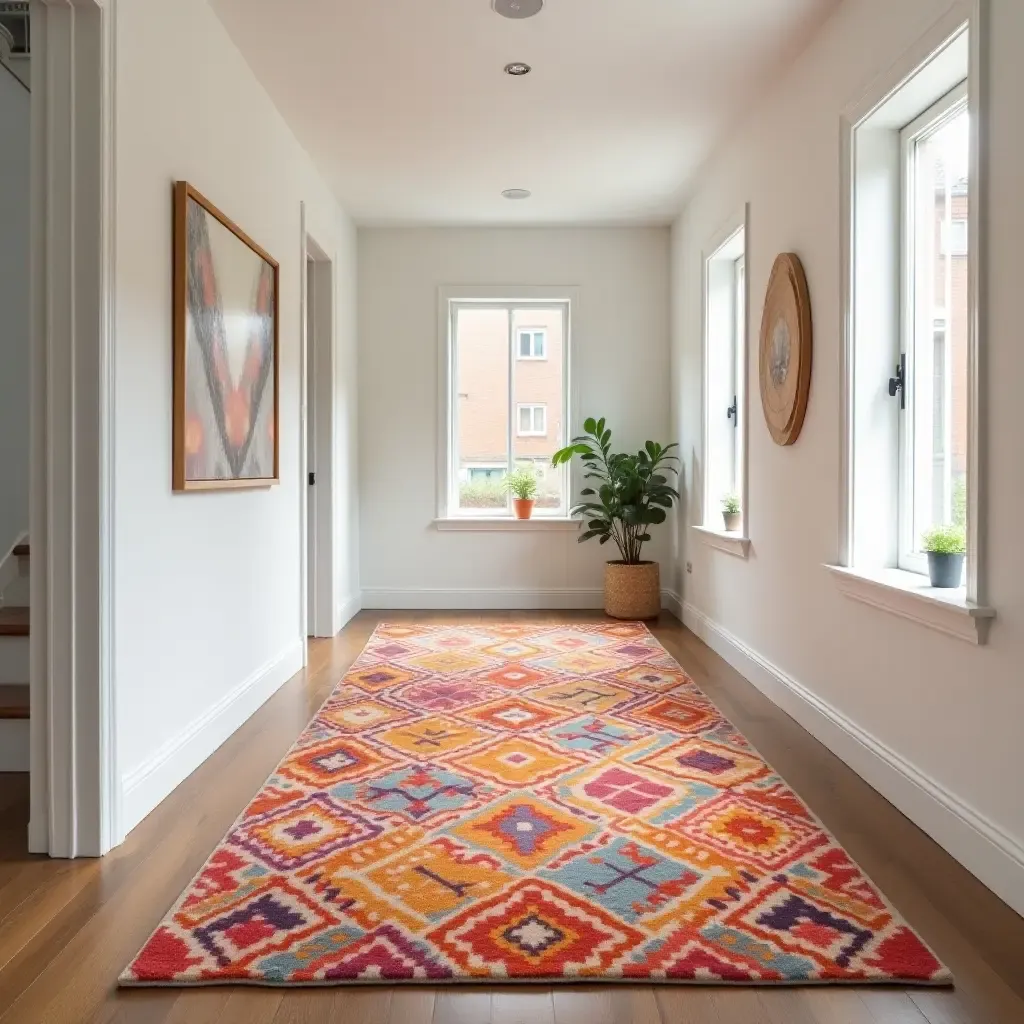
(226, 329)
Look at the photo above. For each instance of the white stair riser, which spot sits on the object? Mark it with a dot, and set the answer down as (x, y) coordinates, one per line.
(16, 593)
(14, 745)
(13, 659)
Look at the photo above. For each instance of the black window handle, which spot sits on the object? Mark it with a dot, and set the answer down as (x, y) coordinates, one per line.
(732, 413)
(898, 384)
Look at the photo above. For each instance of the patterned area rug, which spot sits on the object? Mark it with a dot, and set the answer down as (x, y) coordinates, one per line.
(527, 802)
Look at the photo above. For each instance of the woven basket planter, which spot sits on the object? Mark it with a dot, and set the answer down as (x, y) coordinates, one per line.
(632, 591)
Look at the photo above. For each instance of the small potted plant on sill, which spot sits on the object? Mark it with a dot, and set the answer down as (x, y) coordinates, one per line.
(522, 483)
(946, 547)
(731, 512)
(630, 494)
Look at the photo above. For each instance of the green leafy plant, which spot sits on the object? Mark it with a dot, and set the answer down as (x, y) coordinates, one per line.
(731, 505)
(945, 540)
(522, 482)
(631, 492)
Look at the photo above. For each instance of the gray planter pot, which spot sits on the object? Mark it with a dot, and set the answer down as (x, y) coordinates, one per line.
(945, 571)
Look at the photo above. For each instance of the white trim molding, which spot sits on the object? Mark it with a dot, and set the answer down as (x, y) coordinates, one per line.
(986, 850)
(939, 52)
(495, 599)
(75, 785)
(528, 296)
(910, 595)
(318, 352)
(348, 610)
(149, 783)
(731, 543)
(505, 524)
(728, 244)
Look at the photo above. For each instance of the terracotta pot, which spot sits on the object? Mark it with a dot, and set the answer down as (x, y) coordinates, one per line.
(632, 591)
(732, 521)
(523, 507)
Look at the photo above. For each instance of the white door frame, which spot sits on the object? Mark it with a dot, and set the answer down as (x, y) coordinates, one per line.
(75, 785)
(318, 349)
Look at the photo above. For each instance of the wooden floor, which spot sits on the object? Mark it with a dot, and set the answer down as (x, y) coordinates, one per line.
(67, 928)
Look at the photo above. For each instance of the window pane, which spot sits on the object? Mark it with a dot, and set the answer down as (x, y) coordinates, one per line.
(524, 345)
(482, 407)
(539, 383)
(939, 356)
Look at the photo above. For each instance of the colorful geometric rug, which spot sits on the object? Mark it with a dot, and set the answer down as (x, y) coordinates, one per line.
(527, 803)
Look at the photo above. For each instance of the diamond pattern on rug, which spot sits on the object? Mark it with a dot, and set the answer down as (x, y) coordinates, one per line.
(527, 801)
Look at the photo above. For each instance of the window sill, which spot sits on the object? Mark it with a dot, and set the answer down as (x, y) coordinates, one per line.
(501, 524)
(732, 543)
(909, 595)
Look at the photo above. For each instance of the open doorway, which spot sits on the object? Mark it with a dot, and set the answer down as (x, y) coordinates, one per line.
(15, 386)
(318, 462)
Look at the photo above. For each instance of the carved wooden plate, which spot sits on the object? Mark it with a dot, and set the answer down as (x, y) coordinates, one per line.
(786, 346)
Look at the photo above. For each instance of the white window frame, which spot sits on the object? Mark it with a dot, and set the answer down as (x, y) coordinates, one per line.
(865, 570)
(533, 407)
(909, 558)
(534, 332)
(725, 258)
(448, 514)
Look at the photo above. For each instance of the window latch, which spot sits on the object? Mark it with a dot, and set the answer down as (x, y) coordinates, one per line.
(732, 413)
(898, 384)
(312, 479)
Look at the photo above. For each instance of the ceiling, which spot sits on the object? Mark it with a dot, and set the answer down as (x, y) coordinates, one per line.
(404, 105)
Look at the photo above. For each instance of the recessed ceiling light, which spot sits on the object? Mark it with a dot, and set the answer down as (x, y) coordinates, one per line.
(517, 68)
(517, 8)
(517, 193)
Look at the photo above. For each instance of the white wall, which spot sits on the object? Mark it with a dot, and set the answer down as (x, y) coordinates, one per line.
(14, 307)
(933, 722)
(621, 362)
(207, 589)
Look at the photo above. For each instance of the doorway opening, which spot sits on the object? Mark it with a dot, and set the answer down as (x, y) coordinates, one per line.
(318, 461)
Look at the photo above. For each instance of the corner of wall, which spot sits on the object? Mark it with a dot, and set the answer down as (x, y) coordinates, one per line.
(149, 783)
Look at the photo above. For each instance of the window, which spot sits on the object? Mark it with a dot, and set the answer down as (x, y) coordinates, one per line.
(725, 348)
(533, 420)
(506, 373)
(533, 343)
(957, 230)
(910, 397)
(933, 420)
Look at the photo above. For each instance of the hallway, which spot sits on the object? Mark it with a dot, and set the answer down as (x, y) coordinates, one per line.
(68, 927)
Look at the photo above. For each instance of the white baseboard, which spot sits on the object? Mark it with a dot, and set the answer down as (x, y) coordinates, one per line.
(348, 609)
(987, 851)
(14, 747)
(496, 598)
(673, 603)
(416, 598)
(150, 782)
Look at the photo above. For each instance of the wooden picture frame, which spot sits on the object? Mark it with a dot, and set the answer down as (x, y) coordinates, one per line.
(226, 412)
(786, 349)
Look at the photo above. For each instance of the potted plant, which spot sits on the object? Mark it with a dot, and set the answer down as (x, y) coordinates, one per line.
(522, 483)
(630, 494)
(946, 547)
(731, 512)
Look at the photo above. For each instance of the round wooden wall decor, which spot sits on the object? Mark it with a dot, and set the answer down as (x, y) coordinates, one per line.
(786, 346)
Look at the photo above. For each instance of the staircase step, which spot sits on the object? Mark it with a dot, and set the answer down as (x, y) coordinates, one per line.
(14, 621)
(20, 550)
(14, 700)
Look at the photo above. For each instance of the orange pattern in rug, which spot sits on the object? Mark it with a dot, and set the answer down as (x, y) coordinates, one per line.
(540, 802)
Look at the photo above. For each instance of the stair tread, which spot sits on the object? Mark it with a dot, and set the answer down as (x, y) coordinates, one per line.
(14, 700)
(21, 550)
(13, 621)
